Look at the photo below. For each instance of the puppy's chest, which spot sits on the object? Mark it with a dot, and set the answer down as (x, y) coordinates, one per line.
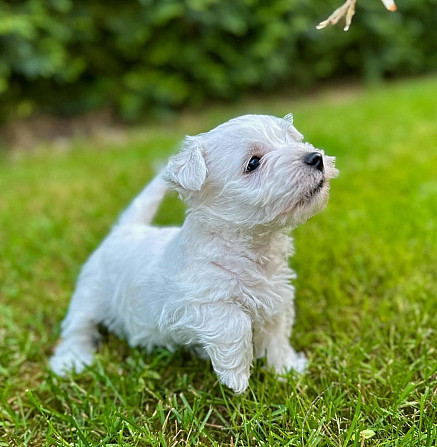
(261, 288)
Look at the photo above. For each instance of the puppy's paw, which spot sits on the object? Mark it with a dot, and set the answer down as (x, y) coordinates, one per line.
(238, 382)
(68, 359)
(287, 360)
(297, 362)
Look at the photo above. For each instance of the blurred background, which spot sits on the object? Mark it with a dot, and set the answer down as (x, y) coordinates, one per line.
(136, 59)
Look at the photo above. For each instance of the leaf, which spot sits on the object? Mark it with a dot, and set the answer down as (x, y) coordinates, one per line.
(367, 434)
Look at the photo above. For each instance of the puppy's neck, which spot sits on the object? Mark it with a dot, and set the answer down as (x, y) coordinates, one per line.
(258, 242)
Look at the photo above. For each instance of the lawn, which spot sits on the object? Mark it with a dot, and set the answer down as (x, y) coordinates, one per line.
(366, 290)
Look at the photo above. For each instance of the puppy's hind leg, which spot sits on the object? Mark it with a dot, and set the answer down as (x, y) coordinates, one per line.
(79, 334)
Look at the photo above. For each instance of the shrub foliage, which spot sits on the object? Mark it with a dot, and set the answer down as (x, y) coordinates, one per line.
(145, 56)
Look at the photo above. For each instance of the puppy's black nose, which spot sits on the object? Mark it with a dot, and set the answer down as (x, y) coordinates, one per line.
(314, 159)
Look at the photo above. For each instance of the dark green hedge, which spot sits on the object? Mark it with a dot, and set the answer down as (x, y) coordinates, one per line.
(143, 56)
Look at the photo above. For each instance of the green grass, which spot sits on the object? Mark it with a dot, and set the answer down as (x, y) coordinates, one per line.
(366, 291)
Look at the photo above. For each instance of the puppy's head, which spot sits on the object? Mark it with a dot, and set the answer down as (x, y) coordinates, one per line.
(253, 170)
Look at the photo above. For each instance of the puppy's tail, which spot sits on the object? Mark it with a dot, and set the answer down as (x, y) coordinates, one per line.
(145, 205)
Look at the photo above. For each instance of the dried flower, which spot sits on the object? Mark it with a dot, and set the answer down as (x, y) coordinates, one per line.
(389, 4)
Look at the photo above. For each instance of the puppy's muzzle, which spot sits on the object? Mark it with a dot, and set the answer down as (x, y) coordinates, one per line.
(314, 159)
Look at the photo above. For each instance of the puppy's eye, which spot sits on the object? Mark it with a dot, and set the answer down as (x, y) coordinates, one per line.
(254, 162)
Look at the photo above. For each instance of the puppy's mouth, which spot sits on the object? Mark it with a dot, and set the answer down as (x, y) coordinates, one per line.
(306, 199)
(317, 189)
(311, 194)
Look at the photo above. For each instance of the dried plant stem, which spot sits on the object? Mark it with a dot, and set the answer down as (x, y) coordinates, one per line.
(347, 10)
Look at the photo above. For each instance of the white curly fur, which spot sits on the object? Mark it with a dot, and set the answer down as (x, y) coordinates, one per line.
(220, 284)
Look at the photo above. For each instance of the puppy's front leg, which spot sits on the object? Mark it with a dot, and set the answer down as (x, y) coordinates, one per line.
(225, 333)
(272, 340)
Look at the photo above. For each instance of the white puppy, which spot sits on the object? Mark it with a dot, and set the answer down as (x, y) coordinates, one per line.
(220, 284)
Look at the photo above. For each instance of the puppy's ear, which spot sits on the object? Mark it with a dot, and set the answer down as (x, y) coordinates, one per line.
(187, 170)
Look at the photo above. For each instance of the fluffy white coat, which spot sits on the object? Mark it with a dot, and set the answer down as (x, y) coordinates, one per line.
(220, 284)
